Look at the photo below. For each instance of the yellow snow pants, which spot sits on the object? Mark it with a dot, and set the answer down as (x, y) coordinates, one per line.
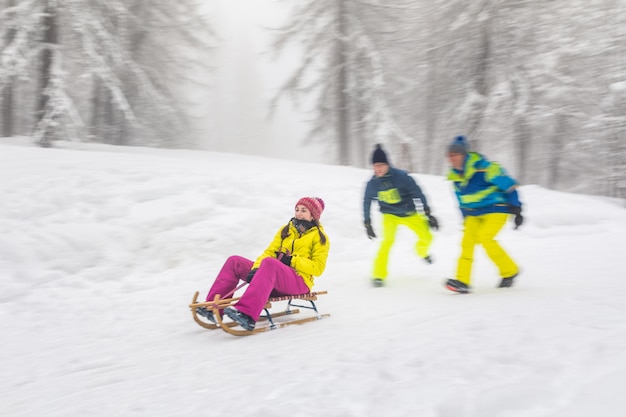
(417, 223)
(483, 230)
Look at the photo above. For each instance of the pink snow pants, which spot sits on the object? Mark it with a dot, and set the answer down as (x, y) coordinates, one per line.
(272, 278)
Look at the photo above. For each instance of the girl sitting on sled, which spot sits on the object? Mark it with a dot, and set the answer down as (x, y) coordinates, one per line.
(288, 266)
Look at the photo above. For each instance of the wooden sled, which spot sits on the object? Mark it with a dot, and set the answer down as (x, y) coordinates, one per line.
(266, 321)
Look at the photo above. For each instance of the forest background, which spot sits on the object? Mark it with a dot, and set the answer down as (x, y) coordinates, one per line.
(538, 85)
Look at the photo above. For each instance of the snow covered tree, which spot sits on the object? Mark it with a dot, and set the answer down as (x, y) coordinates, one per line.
(538, 86)
(343, 66)
(130, 56)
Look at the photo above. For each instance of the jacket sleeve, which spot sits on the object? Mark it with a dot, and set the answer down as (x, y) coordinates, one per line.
(367, 201)
(498, 176)
(501, 179)
(514, 199)
(416, 191)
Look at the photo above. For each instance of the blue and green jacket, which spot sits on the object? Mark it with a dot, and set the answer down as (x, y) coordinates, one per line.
(483, 187)
(395, 192)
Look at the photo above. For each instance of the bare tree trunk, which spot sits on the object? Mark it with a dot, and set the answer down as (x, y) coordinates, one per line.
(341, 87)
(432, 111)
(50, 24)
(7, 110)
(521, 133)
(108, 119)
(6, 101)
(406, 157)
(122, 130)
(482, 81)
(95, 127)
(361, 133)
(555, 154)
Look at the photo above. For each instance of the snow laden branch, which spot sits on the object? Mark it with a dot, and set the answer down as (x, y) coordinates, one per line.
(380, 113)
(21, 27)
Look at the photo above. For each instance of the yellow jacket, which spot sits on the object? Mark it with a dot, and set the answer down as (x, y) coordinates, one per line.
(308, 253)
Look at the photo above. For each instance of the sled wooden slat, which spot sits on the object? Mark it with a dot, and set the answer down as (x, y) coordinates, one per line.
(243, 332)
(266, 321)
(308, 296)
(194, 304)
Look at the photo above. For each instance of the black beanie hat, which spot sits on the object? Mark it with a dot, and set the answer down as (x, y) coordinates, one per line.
(379, 155)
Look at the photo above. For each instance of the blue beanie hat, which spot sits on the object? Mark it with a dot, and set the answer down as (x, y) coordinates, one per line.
(379, 155)
(458, 145)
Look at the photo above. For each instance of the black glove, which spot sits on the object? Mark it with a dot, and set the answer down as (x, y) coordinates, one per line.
(370, 231)
(251, 274)
(284, 258)
(432, 221)
(517, 211)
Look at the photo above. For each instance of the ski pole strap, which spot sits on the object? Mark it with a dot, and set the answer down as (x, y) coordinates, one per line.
(235, 290)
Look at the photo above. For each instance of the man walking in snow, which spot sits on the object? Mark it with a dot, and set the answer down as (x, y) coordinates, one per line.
(395, 191)
(487, 196)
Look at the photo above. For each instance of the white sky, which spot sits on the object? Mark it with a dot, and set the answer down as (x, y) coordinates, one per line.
(102, 248)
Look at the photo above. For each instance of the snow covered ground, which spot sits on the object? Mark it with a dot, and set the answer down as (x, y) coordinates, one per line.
(102, 248)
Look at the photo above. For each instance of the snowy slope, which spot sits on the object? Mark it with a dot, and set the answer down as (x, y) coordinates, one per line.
(102, 248)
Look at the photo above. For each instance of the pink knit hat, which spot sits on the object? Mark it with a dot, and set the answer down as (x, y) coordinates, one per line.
(314, 204)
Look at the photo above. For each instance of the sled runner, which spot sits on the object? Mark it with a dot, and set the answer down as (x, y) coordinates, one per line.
(266, 321)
